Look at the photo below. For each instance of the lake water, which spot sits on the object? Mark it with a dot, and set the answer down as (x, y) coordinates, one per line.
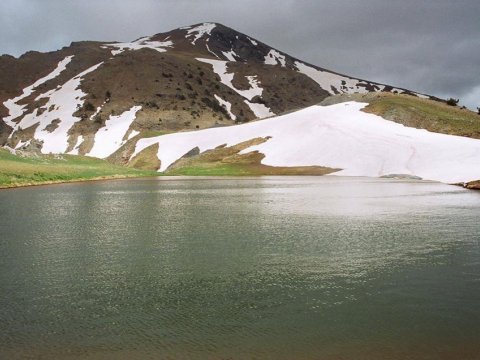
(260, 268)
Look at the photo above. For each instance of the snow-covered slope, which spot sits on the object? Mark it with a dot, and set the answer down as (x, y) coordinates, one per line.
(338, 136)
(15, 110)
(114, 134)
(53, 125)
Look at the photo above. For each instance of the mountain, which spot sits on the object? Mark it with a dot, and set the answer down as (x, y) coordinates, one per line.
(112, 99)
(189, 78)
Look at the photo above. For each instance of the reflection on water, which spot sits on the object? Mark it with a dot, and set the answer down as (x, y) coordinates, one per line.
(284, 267)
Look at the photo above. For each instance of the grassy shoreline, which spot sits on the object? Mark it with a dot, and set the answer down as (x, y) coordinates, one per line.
(73, 180)
(19, 171)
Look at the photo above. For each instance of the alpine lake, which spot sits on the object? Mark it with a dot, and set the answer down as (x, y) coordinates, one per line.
(240, 268)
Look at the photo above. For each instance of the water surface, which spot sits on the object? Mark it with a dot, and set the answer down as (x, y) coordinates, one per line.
(266, 268)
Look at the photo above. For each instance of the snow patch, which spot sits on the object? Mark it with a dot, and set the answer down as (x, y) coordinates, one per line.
(110, 138)
(226, 105)
(22, 144)
(198, 31)
(65, 100)
(97, 111)
(260, 110)
(327, 79)
(253, 41)
(230, 55)
(16, 110)
(220, 68)
(132, 134)
(210, 51)
(422, 96)
(142, 43)
(275, 58)
(342, 84)
(255, 89)
(79, 142)
(338, 136)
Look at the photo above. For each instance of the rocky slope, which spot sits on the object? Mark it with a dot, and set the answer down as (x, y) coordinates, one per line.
(91, 97)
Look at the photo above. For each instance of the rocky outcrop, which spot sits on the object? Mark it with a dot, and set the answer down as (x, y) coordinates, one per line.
(472, 185)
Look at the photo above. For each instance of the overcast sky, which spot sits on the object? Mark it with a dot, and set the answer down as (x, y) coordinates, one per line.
(430, 46)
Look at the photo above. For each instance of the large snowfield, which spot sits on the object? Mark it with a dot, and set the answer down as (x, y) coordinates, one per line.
(338, 136)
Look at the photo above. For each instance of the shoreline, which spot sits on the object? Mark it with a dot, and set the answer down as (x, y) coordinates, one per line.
(124, 177)
(58, 182)
(472, 185)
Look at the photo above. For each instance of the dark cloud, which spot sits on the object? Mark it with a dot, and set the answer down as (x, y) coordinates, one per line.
(431, 46)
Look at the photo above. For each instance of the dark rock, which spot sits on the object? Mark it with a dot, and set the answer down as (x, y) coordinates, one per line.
(195, 151)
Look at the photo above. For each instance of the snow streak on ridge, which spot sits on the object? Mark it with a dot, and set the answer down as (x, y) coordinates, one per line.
(274, 58)
(16, 110)
(220, 68)
(53, 125)
(199, 31)
(226, 105)
(142, 43)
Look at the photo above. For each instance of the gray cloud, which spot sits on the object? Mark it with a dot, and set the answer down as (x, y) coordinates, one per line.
(431, 46)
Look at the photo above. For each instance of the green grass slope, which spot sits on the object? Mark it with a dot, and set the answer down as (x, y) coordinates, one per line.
(48, 169)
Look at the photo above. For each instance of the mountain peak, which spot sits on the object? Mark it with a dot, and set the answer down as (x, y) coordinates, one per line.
(193, 77)
(197, 31)
(211, 39)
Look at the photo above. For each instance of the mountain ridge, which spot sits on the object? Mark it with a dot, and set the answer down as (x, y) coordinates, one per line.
(222, 47)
